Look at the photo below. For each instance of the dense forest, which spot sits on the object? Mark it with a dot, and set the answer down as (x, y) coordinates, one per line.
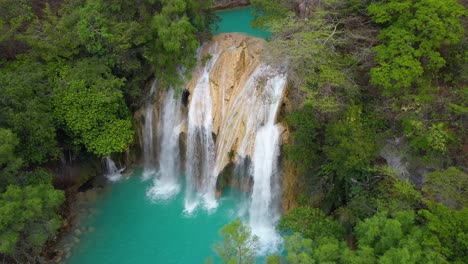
(71, 72)
(368, 75)
(369, 78)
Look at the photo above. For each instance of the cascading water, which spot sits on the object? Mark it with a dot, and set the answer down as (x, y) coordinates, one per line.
(246, 134)
(113, 173)
(148, 142)
(263, 212)
(241, 114)
(201, 181)
(166, 182)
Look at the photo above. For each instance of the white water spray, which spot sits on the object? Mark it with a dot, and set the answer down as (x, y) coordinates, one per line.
(148, 142)
(201, 181)
(263, 212)
(166, 183)
(113, 173)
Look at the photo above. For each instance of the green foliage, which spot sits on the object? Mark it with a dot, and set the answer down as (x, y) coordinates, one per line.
(312, 223)
(305, 251)
(350, 147)
(448, 187)
(238, 245)
(26, 109)
(413, 33)
(90, 104)
(265, 11)
(176, 36)
(53, 37)
(351, 144)
(388, 193)
(362, 256)
(450, 230)
(144, 38)
(15, 15)
(299, 249)
(304, 148)
(28, 218)
(397, 239)
(339, 118)
(314, 48)
(9, 162)
(434, 139)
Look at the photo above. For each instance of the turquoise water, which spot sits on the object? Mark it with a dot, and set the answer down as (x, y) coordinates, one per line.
(129, 228)
(238, 20)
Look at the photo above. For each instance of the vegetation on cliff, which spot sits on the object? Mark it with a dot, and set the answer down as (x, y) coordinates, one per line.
(368, 76)
(71, 72)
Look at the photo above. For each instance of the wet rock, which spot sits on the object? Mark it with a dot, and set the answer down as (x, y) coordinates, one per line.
(67, 248)
(225, 4)
(78, 232)
(239, 56)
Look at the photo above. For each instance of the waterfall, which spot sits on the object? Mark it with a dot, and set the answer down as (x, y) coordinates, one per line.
(243, 111)
(263, 212)
(112, 173)
(201, 181)
(148, 142)
(239, 104)
(166, 183)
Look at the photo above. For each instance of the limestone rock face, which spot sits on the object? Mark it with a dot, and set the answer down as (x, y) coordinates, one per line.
(232, 99)
(237, 86)
(225, 4)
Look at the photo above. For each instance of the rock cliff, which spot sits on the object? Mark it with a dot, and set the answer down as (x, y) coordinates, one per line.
(239, 95)
(226, 4)
(234, 95)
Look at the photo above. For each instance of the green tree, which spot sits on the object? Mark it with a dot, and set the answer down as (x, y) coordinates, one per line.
(14, 18)
(25, 108)
(350, 147)
(311, 223)
(265, 11)
(28, 219)
(351, 144)
(9, 162)
(450, 230)
(448, 187)
(89, 104)
(238, 245)
(410, 41)
(304, 149)
(299, 249)
(176, 39)
(397, 239)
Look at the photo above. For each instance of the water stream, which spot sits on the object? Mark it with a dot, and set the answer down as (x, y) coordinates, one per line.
(154, 221)
(166, 181)
(148, 134)
(112, 173)
(201, 180)
(264, 213)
